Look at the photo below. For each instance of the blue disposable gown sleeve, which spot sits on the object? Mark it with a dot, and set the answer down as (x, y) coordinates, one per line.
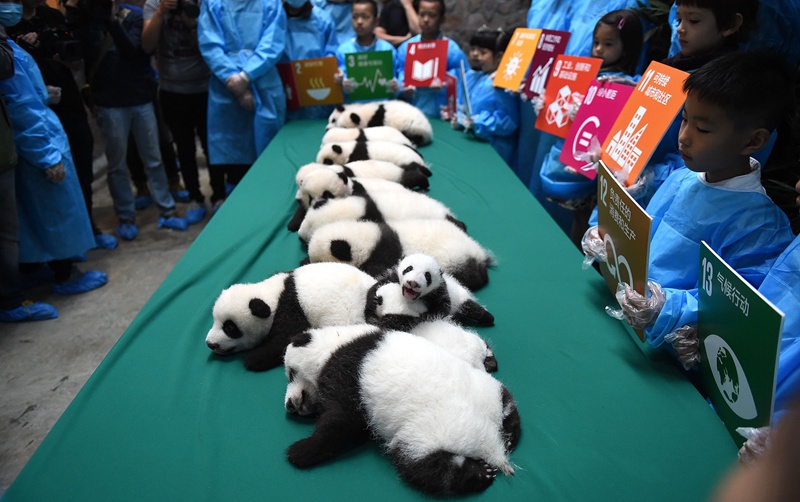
(270, 45)
(680, 308)
(211, 40)
(330, 42)
(500, 120)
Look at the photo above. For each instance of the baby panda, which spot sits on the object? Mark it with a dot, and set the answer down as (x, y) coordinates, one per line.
(380, 133)
(351, 151)
(460, 342)
(411, 178)
(264, 316)
(417, 291)
(400, 389)
(378, 205)
(403, 116)
(374, 247)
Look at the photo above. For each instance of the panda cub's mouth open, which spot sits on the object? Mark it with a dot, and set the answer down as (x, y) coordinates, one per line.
(410, 293)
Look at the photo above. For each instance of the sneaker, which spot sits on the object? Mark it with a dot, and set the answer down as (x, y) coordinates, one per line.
(195, 212)
(127, 230)
(142, 202)
(173, 221)
(29, 311)
(105, 241)
(215, 206)
(87, 281)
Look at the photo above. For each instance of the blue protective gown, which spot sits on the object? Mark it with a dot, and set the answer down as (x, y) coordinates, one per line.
(744, 227)
(307, 38)
(234, 36)
(342, 15)
(495, 114)
(53, 222)
(428, 100)
(782, 288)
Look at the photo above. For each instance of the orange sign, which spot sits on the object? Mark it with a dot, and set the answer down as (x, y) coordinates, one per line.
(309, 82)
(517, 58)
(569, 81)
(645, 118)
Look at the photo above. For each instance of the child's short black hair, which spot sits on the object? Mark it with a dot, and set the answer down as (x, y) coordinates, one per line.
(369, 2)
(755, 89)
(629, 26)
(725, 14)
(493, 40)
(440, 2)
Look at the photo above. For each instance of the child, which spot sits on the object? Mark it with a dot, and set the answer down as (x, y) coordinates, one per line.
(430, 100)
(617, 40)
(365, 19)
(495, 113)
(310, 33)
(732, 105)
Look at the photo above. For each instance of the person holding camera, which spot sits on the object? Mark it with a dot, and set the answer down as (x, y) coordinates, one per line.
(118, 72)
(170, 29)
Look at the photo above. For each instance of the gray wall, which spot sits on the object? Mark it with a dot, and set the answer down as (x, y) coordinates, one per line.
(464, 17)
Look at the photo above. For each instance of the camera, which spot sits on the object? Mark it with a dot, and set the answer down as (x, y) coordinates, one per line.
(61, 42)
(188, 7)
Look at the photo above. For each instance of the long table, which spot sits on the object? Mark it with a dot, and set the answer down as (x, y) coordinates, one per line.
(162, 418)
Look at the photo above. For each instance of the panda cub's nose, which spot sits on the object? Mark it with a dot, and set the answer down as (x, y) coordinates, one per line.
(412, 284)
(212, 345)
(290, 407)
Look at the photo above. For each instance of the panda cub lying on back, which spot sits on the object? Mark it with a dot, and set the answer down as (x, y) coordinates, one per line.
(401, 389)
(416, 291)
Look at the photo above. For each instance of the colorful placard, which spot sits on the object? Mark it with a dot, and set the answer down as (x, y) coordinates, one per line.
(516, 58)
(451, 97)
(567, 84)
(740, 335)
(645, 118)
(426, 63)
(309, 82)
(599, 110)
(552, 43)
(372, 72)
(625, 228)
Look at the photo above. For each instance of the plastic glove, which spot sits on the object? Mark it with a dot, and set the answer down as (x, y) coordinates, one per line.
(637, 310)
(574, 105)
(408, 92)
(594, 247)
(684, 341)
(238, 83)
(247, 101)
(349, 85)
(444, 113)
(615, 79)
(759, 442)
(338, 77)
(642, 183)
(56, 173)
(538, 104)
(393, 86)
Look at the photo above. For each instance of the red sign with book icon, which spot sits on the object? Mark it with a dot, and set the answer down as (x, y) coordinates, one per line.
(426, 63)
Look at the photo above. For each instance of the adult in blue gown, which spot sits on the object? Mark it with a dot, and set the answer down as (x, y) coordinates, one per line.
(495, 114)
(341, 13)
(311, 33)
(242, 36)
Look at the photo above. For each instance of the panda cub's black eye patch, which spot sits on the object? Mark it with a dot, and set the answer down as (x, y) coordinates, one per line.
(327, 162)
(336, 148)
(231, 329)
(428, 278)
(292, 375)
(408, 269)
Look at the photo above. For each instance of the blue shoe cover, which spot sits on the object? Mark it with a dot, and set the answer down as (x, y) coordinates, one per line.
(79, 257)
(195, 213)
(142, 201)
(87, 281)
(173, 222)
(29, 311)
(127, 231)
(105, 241)
(180, 195)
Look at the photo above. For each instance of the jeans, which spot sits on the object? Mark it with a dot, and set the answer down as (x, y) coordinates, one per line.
(116, 124)
(185, 115)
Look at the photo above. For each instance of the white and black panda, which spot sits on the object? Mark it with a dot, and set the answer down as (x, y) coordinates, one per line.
(377, 206)
(417, 291)
(380, 133)
(263, 316)
(462, 343)
(403, 116)
(400, 388)
(411, 178)
(375, 247)
(351, 151)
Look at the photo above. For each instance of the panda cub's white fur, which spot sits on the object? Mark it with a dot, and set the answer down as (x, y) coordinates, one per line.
(266, 314)
(328, 184)
(460, 342)
(446, 424)
(349, 151)
(398, 114)
(379, 133)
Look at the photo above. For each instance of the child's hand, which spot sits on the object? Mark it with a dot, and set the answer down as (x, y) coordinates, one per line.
(594, 247)
(349, 85)
(393, 86)
(56, 173)
(686, 344)
(759, 442)
(436, 84)
(338, 77)
(637, 310)
(538, 104)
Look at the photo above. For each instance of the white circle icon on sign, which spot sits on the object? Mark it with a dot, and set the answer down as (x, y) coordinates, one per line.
(730, 377)
(583, 138)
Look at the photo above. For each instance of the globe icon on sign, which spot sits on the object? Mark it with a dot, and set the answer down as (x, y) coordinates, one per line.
(729, 377)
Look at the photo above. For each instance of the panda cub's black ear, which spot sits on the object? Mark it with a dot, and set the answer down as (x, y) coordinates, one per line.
(337, 149)
(301, 340)
(355, 118)
(340, 107)
(259, 308)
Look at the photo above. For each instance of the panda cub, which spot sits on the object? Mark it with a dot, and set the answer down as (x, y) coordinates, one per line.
(403, 116)
(460, 342)
(400, 389)
(416, 291)
(351, 151)
(375, 247)
(380, 169)
(380, 133)
(265, 315)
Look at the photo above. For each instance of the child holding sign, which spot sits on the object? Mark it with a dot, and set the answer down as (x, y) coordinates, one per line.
(495, 112)
(732, 105)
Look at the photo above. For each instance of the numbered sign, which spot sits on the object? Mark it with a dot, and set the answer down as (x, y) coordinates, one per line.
(567, 85)
(426, 63)
(516, 58)
(625, 228)
(309, 82)
(740, 335)
(372, 72)
(552, 43)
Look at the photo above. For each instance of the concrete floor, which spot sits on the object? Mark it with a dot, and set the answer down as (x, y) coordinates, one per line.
(44, 364)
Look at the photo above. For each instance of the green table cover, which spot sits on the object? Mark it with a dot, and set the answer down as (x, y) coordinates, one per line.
(164, 419)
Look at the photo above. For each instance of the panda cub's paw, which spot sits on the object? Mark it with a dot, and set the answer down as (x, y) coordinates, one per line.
(473, 476)
(302, 454)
